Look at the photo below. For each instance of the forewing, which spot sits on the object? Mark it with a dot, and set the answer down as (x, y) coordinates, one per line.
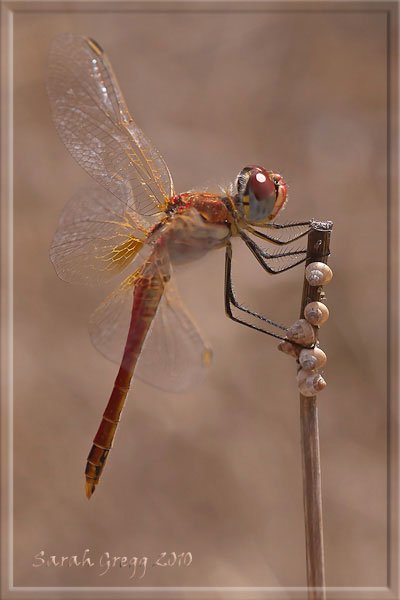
(92, 120)
(93, 242)
(174, 354)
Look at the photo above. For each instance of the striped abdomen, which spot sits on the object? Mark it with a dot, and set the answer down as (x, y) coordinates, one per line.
(147, 294)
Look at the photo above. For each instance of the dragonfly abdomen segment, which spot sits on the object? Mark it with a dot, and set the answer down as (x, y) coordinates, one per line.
(147, 295)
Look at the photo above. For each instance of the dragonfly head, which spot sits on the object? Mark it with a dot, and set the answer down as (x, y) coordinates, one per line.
(261, 194)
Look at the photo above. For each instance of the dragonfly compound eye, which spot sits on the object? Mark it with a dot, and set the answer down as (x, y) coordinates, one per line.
(262, 193)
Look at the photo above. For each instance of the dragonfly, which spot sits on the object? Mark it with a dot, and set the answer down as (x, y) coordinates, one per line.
(131, 216)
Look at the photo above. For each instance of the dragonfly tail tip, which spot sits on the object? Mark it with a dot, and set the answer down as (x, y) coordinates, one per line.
(90, 487)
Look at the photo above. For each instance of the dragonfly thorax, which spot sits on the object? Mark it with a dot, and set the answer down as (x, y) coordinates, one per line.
(188, 234)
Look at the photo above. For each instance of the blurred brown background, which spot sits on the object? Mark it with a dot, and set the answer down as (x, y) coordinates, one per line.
(216, 471)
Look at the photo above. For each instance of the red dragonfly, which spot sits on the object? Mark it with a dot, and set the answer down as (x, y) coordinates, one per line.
(135, 217)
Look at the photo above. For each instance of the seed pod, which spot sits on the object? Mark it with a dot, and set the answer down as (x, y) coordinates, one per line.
(316, 313)
(301, 332)
(310, 382)
(318, 273)
(311, 359)
(289, 348)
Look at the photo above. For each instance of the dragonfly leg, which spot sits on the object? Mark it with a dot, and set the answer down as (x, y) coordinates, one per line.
(231, 300)
(269, 256)
(262, 256)
(286, 225)
(277, 241)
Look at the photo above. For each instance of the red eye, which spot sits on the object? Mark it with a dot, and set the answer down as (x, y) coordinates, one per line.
(262, 193)
(261, 185)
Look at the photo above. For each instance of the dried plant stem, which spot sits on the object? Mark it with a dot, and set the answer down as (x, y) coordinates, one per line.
(317, 251)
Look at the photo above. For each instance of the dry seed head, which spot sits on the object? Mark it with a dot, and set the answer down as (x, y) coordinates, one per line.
(289, 348)
(301, 332)
(310, 382)
(311, 359)
(316, 313)
(318, 273)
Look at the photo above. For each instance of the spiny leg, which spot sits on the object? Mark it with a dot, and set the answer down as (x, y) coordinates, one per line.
(286, 225)
(262, 255)
(277, 241)
(230, 299)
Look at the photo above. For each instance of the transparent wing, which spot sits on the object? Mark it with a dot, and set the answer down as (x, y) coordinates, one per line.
(93, 242)
(92, 120)
(174, 354)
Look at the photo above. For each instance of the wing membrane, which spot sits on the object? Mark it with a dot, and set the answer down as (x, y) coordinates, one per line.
(93, 121)
(174, 354)
(93, 242)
